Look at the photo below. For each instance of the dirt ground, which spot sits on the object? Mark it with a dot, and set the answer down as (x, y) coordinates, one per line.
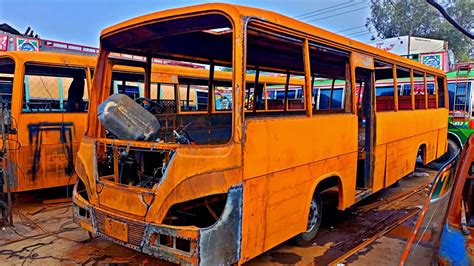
(44, 234)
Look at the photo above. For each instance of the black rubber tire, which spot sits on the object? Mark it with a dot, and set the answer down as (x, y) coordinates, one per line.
(307, 238)
(453, 148)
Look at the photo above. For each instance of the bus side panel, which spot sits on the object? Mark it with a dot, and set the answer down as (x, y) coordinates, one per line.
(253, 219)
(442, 142)
(49, 142)
(379, 167)
(290, 163)
(401, 158)
(275, 144)
(404, 132)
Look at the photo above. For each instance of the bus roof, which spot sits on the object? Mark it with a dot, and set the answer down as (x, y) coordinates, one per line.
(235, 12)
(453, 74)
(53, 58)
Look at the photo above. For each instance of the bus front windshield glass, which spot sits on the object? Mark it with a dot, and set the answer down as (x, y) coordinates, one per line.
(194, 109)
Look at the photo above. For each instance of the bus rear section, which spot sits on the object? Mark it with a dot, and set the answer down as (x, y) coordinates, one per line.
(46, 95)
(220, 183)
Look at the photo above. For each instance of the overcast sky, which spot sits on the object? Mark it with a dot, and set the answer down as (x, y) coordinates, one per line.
(80, 21)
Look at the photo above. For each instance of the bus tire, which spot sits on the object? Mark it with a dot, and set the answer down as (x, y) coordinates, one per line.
(453, 148)
(314, 222)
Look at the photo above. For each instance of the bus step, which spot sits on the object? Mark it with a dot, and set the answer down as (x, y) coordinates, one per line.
(362, 193)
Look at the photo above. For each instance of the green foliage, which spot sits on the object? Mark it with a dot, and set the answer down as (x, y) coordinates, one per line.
(393, 18)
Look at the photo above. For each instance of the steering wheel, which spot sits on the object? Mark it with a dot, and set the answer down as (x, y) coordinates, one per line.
(150, 105)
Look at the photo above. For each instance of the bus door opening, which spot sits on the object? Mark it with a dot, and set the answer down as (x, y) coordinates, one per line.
(365, 113)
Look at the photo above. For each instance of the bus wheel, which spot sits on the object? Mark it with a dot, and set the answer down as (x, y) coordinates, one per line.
(314, 222)
(453, 148)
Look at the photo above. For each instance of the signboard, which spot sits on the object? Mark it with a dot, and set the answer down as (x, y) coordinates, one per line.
(27, 44)
(423, 45)
(399, 45)
(3, 42)
(436, 60)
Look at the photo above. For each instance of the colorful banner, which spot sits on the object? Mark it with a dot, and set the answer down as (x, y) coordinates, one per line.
(433, 60)
(3, 42)
(27, 44)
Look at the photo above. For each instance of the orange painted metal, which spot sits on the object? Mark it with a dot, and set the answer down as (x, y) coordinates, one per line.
(21, 150)
(278, 161)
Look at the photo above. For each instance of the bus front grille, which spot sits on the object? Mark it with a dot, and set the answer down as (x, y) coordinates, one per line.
(135, 229)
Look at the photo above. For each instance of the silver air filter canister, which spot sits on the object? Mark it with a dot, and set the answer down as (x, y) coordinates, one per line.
(126, 119)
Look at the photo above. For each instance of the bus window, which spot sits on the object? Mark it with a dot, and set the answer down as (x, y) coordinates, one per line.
(404, 87)
(325, 97)
(129, 83)
(296, 95)
(265, 52)
(419, 90)
(384, 89)
(441, 94)
(432, 91)
(194, 95)
(451, 89)
(332, 93)
(165, 95)
(280, 94)
(7, 70)
(223, 97)
(276, 103)
(54, 89)
(249, 96)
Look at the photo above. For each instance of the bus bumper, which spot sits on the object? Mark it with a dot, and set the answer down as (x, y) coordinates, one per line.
(217, 244)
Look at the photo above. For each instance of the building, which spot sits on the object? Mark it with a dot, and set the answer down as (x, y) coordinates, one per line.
(430, 52)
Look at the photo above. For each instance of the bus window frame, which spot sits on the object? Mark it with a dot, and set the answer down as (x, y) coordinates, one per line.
(272, 29)
(402, 90)
(23, 92)
(428, 77)
(347, 103)
(95, 129)
(17, 68)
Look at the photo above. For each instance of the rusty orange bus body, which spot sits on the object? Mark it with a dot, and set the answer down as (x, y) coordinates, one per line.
(43, 136)
(44, 131)
(251, 176)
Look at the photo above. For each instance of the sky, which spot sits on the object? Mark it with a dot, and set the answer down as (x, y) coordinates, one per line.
(80, 21)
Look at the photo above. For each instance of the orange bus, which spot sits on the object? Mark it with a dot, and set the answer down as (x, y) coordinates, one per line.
(211, 186)
(43, 124)
(45, 96)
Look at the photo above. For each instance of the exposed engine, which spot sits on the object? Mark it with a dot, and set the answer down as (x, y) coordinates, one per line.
(136, 167)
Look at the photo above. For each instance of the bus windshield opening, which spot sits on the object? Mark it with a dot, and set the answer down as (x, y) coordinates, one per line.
(167, 87)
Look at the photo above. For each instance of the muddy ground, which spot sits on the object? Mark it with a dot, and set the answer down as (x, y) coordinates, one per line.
(44, 234)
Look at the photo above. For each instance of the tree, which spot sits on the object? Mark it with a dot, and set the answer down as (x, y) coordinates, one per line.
(393, 18)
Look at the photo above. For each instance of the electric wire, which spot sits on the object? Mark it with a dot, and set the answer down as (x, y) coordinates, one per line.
(322, 9)
(360, 35)
(357, 32)
(329, 10)
(350, 29)
(338, 14)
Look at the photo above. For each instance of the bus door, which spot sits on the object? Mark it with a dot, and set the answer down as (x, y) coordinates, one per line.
(366, 135)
